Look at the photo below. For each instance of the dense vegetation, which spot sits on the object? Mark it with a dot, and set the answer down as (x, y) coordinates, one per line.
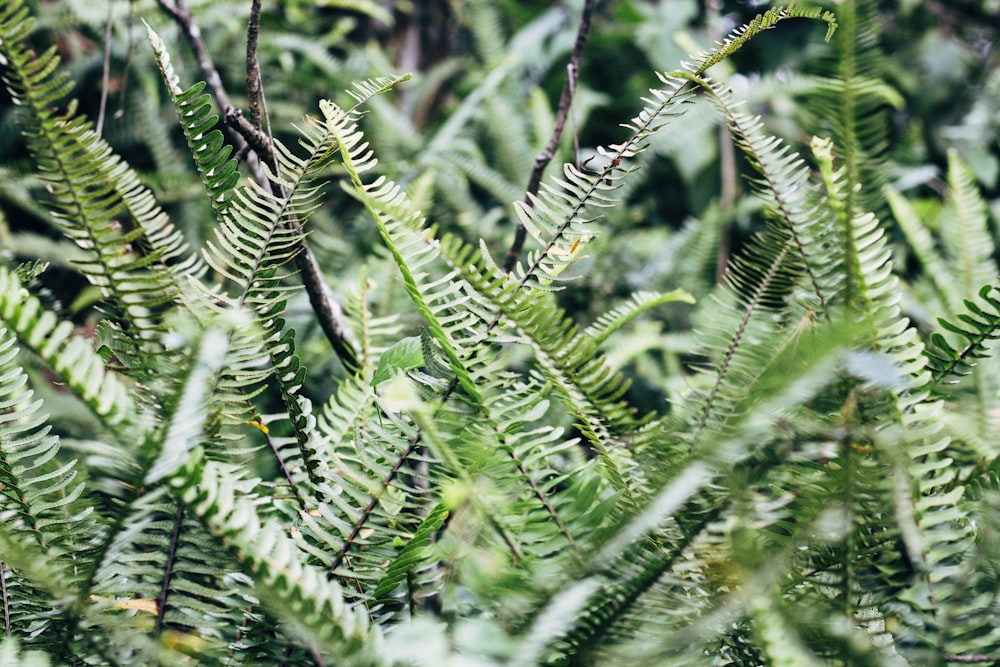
(279, 384)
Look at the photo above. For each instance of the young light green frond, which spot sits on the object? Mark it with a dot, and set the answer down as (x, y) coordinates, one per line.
(766, 21)
(640, 302)
(365, 90)
(869, 288)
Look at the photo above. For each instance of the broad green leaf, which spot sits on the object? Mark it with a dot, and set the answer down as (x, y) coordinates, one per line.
(403, 356)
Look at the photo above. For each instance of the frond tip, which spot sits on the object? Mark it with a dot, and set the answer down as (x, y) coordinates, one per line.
(979, 325)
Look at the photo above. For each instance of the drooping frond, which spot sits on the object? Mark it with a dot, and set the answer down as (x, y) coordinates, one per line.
(640, 302)
(311, 605)
(782, 182)
(766, 21)
(69, 356)
(559, 218)
(134, 254)
(40, 503)
(369, 88)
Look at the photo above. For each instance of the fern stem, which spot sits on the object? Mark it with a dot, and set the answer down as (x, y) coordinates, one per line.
(161, 603)
(750, 309)
(7, 627)
(565, 104)
(366, 513)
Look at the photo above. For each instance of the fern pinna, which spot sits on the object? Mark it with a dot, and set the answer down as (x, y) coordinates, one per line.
(478, 486)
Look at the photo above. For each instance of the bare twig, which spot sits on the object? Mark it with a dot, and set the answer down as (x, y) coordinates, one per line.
(253, 65)
(565, 103)
(106, 71)
(328, 311)
(129, 50)
(181, 13)
(727, 199)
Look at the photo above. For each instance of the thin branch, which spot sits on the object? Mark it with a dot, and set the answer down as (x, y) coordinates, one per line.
(328, 312)
(565, 104)
(181, 13)
(105, 71)
(253, 65)
(129, 51)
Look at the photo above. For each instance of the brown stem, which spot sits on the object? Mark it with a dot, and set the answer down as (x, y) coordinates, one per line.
(253, 65)
(565, 103)
(105, 72)
(328, 311)
(727, 199)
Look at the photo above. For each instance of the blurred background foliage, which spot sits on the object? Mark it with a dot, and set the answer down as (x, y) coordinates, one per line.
(463, 133)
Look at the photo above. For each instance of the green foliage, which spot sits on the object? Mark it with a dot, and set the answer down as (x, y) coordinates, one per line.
(487, 483)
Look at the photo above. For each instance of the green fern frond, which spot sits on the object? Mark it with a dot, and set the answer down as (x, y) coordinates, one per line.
(310, 604)
(979, 325)
(218, 171)
(135, 256)
(41, 507)
(783, 184)
(560, 216)
(369, 88)
(377, 197)
(69, 356)
(766, 21)
(373, 499)
(922, 244)
(613, 320)
(965, 229)
(925, 519)
(853, 106)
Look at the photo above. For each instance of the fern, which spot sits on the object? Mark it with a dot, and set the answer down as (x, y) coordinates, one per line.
(41, 504)
(134, 255)
(480, 485)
